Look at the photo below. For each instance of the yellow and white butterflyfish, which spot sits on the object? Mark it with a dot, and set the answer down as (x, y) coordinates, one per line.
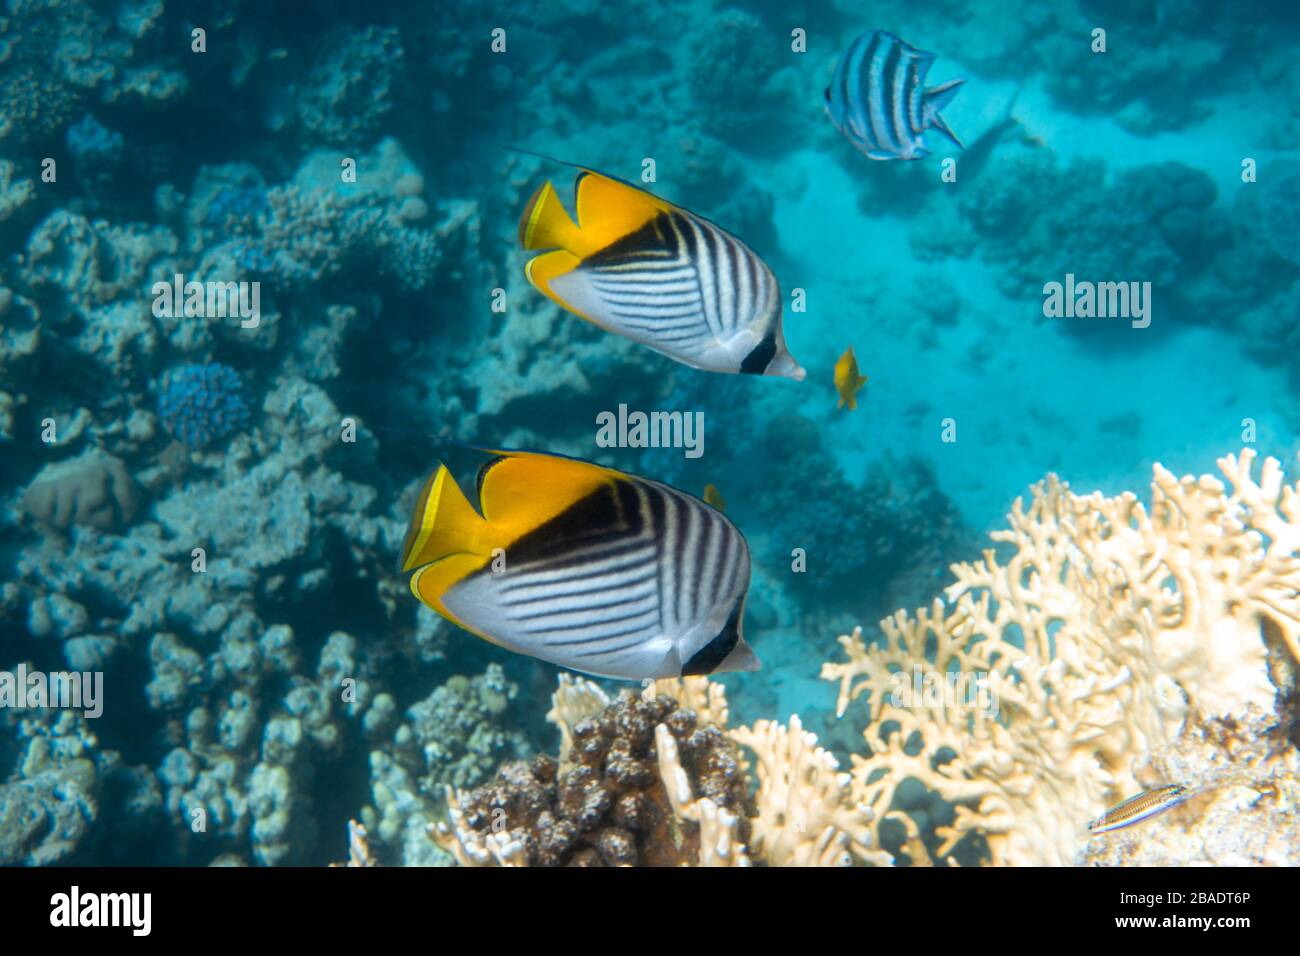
(584, 567)
(648, 270)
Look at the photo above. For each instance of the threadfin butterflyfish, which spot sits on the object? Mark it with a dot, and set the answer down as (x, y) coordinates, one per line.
(584, 567)
(847, 379)
(639, 266)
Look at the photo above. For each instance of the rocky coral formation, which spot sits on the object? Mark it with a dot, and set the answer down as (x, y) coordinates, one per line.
(93, 490)
(62, 785)
(619, 800)
(657, 781)
(900, 525)
(1244, 777)
(455, 737)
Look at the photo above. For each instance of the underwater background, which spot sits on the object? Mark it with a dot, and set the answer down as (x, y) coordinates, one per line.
(288, 682)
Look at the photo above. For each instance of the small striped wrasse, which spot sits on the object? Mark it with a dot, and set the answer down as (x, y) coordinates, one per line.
(1140, 807)
(638, 266)
(584, 567)
(878, 99)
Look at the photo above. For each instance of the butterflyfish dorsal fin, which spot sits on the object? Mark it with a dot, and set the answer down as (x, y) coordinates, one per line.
(609, 210)
(520, 491)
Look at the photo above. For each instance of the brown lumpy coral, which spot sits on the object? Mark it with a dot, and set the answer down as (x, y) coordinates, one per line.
(93, 491)
(608, 804)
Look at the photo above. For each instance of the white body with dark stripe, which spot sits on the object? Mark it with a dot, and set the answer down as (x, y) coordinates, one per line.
(662, 588)
(878, 99)
(684, 287)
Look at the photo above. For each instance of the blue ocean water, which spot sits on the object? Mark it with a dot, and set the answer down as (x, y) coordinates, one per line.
(341, 184)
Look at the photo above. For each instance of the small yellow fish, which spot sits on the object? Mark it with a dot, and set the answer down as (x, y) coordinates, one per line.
(1139, 807)
(847, 379)
(712, 496)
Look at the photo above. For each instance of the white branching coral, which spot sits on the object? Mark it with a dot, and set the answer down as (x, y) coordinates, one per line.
(803, 817)
(706, 698)
(1106, 623)
(472, 848)
(574, 699)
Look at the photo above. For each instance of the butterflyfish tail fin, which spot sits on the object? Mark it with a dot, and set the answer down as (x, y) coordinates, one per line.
(443, 523)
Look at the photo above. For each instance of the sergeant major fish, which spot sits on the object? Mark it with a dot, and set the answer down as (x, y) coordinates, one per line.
(638, 266)
(583, 566)
(877, 97)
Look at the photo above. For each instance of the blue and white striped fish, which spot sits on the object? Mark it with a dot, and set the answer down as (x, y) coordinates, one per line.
(878, 98)
(658, 274)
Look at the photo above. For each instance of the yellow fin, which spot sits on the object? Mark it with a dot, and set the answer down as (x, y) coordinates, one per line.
(432, 581)
(443, 523)
(542, 269)
(545, 223)
(608, 210)
(521, 491)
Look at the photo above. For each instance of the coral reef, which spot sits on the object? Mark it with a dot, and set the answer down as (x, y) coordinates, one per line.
(647, 782)
(457, 736)
(657, 781)
(900, 526)
(213, 526)
(65, 792)
(1107, 624)
(1244, 773)
(1280, 216)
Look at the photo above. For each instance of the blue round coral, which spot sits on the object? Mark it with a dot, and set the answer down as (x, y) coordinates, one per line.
(202, 404)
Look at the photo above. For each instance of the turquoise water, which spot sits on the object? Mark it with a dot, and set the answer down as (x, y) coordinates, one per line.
(288, 443)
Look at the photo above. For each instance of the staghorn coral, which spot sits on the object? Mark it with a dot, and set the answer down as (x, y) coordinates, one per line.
(1097, 635)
